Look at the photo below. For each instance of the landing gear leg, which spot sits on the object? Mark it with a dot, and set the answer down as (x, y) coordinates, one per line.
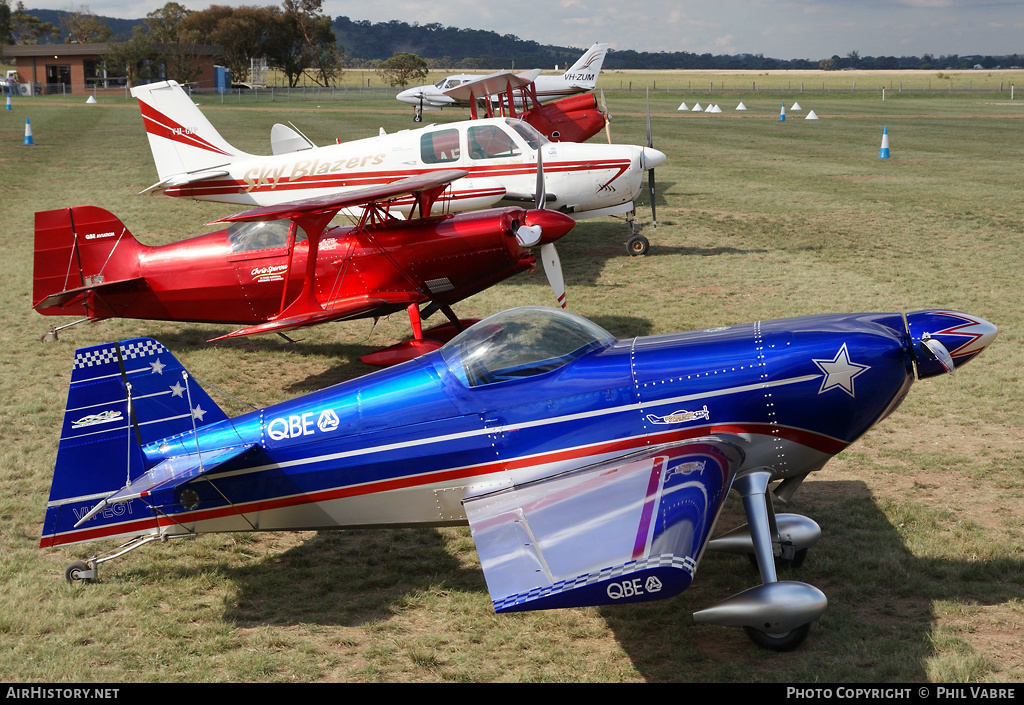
(637, 245)
(84, 571)
(777, 614)
(50, 336)
(756, 503)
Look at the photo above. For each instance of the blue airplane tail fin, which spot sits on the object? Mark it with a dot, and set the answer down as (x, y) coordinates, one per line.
(122, 396)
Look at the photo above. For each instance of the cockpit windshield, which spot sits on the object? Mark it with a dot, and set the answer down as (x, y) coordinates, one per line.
(520, 343)
(529, 133)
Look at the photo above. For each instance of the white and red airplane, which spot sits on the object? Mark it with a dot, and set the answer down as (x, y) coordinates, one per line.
(462, 90)
(499, 154)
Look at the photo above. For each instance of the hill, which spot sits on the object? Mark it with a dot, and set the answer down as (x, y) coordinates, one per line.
(458, 48)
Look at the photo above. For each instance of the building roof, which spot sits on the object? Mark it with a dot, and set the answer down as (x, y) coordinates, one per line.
(55, 50)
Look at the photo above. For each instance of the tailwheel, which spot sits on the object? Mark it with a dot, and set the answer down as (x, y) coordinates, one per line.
(79, 572)
(637, 245)
(786, 641)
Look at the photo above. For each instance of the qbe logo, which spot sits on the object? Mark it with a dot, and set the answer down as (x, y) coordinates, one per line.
(307, 424)
(625, 589)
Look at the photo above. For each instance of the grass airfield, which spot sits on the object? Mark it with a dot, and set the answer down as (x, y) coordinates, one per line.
(923, 523)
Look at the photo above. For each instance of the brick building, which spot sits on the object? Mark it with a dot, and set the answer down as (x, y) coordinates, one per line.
(80, 68)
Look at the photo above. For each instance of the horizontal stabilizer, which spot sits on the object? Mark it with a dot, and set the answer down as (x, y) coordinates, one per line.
(168, 474)
(71, 297)
(625, 530)
(179, 180)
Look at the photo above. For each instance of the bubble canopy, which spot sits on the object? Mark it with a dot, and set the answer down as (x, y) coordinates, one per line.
(520, 343)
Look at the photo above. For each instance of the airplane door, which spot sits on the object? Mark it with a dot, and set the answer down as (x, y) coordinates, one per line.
(266, 259)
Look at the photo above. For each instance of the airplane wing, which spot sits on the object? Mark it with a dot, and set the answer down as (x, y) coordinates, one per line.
(491, 85)
(623, 530)
(340, 309)
(434, 181)
(313, 215)
(170, 473)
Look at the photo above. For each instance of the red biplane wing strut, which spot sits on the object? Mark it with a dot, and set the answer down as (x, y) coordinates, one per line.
(313, 215)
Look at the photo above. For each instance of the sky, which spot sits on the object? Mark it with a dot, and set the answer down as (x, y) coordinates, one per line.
(780, 29)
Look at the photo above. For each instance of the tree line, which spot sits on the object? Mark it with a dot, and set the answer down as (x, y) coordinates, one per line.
(297, 37)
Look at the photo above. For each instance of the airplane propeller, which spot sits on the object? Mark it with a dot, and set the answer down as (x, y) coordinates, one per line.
(607, 117)
(650, 172)
(530, 235)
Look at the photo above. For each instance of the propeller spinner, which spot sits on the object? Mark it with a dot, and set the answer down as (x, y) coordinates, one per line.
(533, 233)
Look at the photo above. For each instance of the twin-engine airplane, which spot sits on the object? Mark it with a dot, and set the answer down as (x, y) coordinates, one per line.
(277, 268)
(465, 90)
(590, 470)
(500, 156)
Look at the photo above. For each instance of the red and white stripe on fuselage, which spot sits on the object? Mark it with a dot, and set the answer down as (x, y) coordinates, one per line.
(470, 196)
(413, 499)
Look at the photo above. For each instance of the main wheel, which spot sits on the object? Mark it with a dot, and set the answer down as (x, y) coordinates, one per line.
(637, 245)
(73, 573)
(786, 641)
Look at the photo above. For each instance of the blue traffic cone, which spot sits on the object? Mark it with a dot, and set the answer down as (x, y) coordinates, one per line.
(884, 152)
(28, 134)
(9, 102)
(782, 115)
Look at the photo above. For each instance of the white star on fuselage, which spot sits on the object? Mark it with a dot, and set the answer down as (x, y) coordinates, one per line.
(158, 367)
(840, 372)
(198, 412)
(177, 390)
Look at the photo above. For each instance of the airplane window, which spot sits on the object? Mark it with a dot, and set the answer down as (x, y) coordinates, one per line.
(261, 235)
(528, 132)
(490, 142)
(520, 343)
(439, 146)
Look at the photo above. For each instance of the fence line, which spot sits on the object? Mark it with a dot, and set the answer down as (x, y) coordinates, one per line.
(273, 94)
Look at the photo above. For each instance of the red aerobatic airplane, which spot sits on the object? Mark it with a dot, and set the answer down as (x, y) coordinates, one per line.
(277, 268)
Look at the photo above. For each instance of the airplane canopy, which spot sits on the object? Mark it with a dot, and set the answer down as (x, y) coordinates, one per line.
(519, 343)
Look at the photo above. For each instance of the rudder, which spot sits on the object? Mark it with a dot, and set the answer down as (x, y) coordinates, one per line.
(584, 72)
(77, 249)
(181, 139)
(122, 396)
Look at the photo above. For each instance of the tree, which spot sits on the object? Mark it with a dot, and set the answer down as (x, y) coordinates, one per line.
(178, 47)
(81, 26)
(164, 25)
(314, 45)
(5, 25)
(245, 33)
(402, 69)
(293, 39)
(29, 29)
(130, 58)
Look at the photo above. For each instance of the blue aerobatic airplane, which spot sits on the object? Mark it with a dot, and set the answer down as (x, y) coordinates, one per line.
(590, 470)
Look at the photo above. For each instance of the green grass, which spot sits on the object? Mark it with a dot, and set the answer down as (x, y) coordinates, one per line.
(923, 526)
